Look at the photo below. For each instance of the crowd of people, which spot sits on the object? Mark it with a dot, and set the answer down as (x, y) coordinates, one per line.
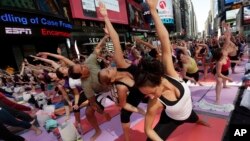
(142, 72)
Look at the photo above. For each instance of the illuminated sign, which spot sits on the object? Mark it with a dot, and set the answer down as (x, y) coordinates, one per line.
(165, 11)
(38, 32)
(146, 13)
(138, 16)
(89, 9)
(112, 5)
(23, 24)
(15, 30)
(94, 40)
(246, 15)
(231, 14)
(35, 20)
(48, 32)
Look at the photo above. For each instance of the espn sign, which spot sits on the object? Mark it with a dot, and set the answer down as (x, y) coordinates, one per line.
(18, 31)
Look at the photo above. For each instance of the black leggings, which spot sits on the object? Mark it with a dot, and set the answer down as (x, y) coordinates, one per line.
(7, 118)
(234, 58)
(167, 125)
(133, 99)
(6, 135)
(16, 113)
(192, 75)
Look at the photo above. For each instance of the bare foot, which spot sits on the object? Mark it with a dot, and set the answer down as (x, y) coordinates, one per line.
(200, 84)
(107, 116)
(67, 118)
(202, 122)
(79, 129)
(38, 132)
(205, 78)
(96, 135)
(141, 111)
(217, 103)
(33, 121)
(234, 72)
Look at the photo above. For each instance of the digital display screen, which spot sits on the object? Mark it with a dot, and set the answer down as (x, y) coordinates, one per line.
(246, 15)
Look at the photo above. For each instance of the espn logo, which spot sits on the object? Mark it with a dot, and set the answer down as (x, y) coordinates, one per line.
(17, 31)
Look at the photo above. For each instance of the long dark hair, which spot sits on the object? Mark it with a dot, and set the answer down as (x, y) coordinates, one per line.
(59, 74)
(217, 54)
(149, 73)
(178, 56)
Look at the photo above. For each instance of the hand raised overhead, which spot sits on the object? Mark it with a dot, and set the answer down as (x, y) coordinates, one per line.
(102, 9)
(152, 4)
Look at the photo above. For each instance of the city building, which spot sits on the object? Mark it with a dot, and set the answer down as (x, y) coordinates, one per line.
(31, 26)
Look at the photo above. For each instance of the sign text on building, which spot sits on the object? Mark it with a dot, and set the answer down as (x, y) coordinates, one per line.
(23, 20)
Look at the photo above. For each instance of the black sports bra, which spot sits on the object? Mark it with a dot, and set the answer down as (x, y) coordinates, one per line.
(178, 85)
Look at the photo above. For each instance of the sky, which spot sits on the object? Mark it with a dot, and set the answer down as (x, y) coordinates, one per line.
(201, 8)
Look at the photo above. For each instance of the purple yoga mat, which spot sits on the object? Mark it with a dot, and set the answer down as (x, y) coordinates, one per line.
(228, 96)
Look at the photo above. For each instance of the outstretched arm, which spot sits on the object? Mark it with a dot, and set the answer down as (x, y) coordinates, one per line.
(22, 68)
(183, 49)
(164, 38)
(52, 63)
(59, 57)
(153, 107)
(118, 54)
(146, 44)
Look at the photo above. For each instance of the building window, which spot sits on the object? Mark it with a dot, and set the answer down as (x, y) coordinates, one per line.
(49, 6)
(22, 4)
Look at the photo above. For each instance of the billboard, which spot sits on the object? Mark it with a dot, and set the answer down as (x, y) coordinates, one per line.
(246, 15)
(215, 8)
(136, 15)
(89, 10)
(49, 6)
(231, 14)
(146, 12)
(22, 24)
(165, 11)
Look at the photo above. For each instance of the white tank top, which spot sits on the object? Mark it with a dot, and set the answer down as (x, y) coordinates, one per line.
(182, 109)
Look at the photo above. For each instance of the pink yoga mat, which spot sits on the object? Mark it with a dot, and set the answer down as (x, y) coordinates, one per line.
(186, 132)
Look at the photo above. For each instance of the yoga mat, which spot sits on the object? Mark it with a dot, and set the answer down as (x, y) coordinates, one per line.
(228, 96)
(113, 129)
(198, 92)
(112, 110)
(187, 131)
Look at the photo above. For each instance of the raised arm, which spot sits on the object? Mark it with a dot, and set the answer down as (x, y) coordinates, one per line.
(227, 31)
(227, 34)
(118, 54)
(33, 68)
(164, 38)
(183, 49)
(51, 62)
(146, 44)
(22, 68)
(59, 57)
(101, 44)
